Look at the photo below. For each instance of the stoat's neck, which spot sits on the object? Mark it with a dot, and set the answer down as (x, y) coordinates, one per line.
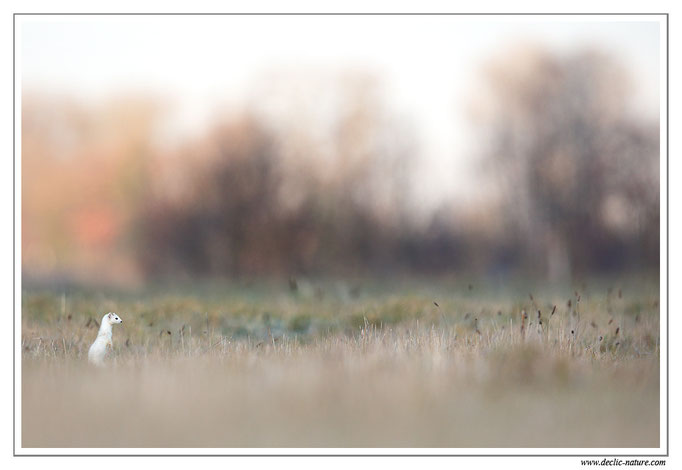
(105, 328)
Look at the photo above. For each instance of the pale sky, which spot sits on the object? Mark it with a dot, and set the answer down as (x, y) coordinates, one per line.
(429, 65)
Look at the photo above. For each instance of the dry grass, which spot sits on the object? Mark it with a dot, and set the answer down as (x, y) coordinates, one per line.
(334, 367)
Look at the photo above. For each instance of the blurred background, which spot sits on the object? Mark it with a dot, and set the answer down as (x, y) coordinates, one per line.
(177, 148)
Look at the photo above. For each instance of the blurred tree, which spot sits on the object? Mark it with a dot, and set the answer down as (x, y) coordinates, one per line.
(253, 198)
(577, 169)
(82, 179)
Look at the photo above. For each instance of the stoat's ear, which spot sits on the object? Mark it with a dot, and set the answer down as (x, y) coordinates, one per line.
(111, 315)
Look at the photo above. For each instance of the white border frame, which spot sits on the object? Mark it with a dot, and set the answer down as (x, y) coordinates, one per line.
(596, 453)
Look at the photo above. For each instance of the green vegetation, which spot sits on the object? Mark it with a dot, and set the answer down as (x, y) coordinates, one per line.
(408, 363)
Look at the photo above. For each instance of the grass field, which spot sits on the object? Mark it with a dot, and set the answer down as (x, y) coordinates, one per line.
(408, 363)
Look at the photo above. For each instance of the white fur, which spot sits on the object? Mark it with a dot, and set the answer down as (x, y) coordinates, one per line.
(99, 349)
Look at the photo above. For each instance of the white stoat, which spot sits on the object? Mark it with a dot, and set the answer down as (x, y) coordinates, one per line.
(98, 350)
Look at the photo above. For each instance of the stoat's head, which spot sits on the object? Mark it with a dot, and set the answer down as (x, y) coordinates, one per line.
(112, 318)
